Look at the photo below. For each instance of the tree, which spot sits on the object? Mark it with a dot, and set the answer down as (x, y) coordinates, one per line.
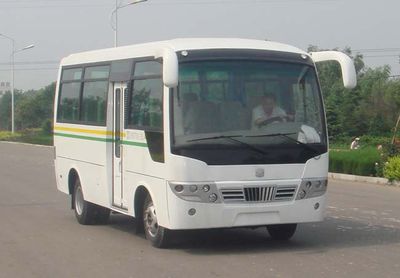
(35, 107)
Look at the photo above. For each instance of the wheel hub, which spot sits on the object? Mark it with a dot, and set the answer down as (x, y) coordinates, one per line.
(79, 201)
(150, 220)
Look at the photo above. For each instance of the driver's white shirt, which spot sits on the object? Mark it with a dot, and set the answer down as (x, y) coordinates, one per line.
(259, 113)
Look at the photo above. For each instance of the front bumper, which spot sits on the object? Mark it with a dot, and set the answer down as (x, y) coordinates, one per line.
(226, 215)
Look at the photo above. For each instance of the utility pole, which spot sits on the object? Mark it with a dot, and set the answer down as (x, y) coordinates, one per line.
(395, 129)
(119, 6)
(13, 52)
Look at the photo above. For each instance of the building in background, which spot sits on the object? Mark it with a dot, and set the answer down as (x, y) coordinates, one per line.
(5, 86)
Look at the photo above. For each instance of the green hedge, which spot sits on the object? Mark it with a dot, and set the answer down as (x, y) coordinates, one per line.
(356, 162)
(32, 136)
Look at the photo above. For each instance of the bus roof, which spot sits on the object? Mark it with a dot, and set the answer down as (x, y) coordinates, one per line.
(156, 48)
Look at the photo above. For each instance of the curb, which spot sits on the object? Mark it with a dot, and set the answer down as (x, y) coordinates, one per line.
(25, 144)
(375, 180)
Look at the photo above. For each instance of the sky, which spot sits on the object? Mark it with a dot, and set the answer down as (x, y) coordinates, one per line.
(61, 27)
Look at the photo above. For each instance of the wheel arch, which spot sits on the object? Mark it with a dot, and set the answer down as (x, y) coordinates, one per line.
(73, 175)
(138, 200)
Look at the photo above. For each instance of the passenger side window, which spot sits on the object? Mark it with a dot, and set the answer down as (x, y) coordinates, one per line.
(145, 109)
(68, 109)
(94, 102)
(146, 101)
(83, 95)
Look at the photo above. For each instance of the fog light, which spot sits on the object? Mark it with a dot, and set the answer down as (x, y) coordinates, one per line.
(178, 188)
(316, 206)
(318, 184)
(192, 211)
(302, 194)
(193, 188)
(213, 197)
(206, 188)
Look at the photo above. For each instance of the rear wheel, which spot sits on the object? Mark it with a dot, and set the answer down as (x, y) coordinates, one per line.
(87, 213)
(157, 235)
(282, 231)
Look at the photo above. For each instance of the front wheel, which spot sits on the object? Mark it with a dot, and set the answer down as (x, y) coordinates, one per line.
(282, 231)
(157, 235)
(87, 213)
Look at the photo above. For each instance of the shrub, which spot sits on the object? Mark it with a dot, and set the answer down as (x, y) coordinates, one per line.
(392, 169)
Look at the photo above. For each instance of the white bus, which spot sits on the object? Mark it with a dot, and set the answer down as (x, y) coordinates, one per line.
(195, 134)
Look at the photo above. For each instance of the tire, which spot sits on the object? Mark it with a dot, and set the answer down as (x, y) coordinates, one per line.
(157, 235)
(282, 231)
(87, 213)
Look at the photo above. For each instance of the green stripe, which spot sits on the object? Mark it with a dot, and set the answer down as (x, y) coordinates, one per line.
(99, 139)
(131, 143)
(83, 137)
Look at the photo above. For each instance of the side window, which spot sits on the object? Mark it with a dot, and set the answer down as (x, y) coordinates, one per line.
(69, 95)
(146, 104)
(94, 102)
(68, 109)
(83, 95)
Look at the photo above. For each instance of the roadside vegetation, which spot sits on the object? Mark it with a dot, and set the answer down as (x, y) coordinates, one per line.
(370, 112)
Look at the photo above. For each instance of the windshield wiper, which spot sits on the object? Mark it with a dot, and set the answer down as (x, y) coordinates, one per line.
(231, 138)
(286, 135)
(214, 137)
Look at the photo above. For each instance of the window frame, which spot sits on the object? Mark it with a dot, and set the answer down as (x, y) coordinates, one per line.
(82, 81)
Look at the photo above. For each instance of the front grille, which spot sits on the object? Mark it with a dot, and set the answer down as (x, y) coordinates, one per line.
(261, 194)
(233, 195)
(285, 193)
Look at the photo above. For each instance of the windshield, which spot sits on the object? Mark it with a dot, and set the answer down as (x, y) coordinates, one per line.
(248, 112)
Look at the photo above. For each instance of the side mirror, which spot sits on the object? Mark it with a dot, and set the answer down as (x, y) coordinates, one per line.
(170, 68)
(348, 70)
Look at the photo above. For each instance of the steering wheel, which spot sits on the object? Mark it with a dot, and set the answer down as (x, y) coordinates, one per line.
(272, 120)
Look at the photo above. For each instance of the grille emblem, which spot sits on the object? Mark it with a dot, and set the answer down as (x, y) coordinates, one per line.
(260, 173)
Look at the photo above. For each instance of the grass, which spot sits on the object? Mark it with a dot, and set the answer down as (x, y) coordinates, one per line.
(356, 162)
(31, 136)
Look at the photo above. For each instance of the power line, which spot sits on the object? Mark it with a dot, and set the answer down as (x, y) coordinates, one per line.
(62, 3)
(380, 56)
(393, 49)
(31, 63)
(30, 69)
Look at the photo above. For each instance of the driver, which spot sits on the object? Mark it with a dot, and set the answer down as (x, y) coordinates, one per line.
(267, 112)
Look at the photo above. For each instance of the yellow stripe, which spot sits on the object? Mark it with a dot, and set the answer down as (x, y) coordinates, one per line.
(87, 131)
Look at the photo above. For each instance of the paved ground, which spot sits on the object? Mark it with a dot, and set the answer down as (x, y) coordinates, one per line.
(39, 236)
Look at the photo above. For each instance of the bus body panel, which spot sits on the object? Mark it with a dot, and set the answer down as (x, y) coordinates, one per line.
(157, 189)
(93, 178)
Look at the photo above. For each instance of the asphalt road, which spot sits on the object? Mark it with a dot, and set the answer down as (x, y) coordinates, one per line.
(39, 236)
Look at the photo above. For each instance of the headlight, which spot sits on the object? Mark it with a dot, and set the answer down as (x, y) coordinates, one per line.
(196, 192)
(178, 188)
(213, 197)
(311, 188)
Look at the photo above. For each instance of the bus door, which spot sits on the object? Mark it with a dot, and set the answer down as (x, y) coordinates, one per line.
(120, 93)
